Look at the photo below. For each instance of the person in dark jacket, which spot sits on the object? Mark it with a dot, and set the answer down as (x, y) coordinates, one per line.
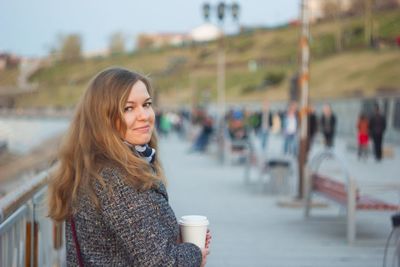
(312, 127)
(328, 125)
(377, 127)
(203, 138)
(108, 187)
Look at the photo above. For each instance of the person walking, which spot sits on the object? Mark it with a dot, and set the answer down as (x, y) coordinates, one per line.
(328, 125)
(290, 126)
(201, 142)
(362, 128)
(266, 124)
(312, 127)
(109, 186)
(377, 127)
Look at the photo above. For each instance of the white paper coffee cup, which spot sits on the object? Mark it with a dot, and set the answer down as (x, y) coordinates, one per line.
(194, 229)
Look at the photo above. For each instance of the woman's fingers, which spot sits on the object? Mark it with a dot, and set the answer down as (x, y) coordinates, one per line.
(208, 235)
(208, 239)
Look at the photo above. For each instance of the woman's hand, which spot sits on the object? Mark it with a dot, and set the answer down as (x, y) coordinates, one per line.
(206, 251)
(208, 239)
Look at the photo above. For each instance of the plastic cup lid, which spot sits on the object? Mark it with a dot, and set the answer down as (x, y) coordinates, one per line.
(194, 220)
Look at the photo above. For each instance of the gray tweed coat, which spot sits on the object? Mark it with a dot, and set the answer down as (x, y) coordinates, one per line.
(132, 228)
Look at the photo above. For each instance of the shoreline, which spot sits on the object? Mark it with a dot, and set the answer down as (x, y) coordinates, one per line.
(15, 169)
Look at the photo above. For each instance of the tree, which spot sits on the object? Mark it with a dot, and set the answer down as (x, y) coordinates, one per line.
(331, 8)
(71, 48)
(117, 43)
(144, 41)
(387, 4)
(357, 7)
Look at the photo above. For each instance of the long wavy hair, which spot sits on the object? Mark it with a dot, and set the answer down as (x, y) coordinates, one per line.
(94, 139)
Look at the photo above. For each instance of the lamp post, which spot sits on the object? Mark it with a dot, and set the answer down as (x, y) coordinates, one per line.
(222, 10)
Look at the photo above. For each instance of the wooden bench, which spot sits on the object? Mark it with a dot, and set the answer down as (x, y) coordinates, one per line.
(346, 194)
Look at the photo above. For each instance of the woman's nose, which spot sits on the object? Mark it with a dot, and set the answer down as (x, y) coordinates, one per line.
(143, 114)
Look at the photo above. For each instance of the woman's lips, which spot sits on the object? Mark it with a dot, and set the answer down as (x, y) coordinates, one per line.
(144, 129)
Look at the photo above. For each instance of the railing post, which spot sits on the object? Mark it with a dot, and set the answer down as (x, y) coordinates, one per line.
(57, 235)
(31, 243)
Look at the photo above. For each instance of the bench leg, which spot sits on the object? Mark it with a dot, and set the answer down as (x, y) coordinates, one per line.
(351, 212)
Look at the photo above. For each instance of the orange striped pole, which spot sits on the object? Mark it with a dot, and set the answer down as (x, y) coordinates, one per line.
(304, 88)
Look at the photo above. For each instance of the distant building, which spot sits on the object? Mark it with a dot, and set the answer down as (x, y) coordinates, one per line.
(96, 53)
(202, 33)
(157, 40)
(316, 8)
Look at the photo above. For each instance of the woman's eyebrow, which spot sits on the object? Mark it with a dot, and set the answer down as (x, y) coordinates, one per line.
(133, 102)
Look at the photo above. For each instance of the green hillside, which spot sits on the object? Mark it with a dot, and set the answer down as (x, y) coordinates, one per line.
(259, 64)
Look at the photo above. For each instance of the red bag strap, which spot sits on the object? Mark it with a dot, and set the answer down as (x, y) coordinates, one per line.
(74, 236)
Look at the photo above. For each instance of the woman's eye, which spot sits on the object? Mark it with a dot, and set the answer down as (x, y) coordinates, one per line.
(148, 104)
(128, 109)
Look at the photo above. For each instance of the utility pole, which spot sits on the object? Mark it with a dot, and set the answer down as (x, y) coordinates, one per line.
(304, 88)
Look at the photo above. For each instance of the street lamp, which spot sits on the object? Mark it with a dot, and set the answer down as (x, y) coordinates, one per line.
(222, 10)
(206, 11)
(235, 11)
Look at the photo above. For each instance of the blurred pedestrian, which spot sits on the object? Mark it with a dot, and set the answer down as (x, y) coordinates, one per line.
(109, 185)
(201, 142)
(236, 126)
(165, 124)
(328, 125)
(312, 127)
(276, 123)
(266, 124)
(377, 127)
(362, 128)
(290, 126)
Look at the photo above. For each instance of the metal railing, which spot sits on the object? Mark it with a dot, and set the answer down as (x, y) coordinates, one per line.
(27, 236)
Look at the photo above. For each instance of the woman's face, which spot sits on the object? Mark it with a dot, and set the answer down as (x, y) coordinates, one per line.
(139, 115)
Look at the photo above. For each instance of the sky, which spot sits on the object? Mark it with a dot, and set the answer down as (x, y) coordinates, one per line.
(32, 28)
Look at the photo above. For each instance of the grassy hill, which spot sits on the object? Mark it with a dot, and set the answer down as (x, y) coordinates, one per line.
(259, 64)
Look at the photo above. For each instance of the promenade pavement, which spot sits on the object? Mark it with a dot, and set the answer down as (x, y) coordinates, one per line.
(249, 228)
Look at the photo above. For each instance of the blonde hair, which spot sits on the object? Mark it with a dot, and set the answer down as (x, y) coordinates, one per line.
(95, 138)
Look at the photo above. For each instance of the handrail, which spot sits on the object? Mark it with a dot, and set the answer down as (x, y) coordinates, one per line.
(28, 237)
(14, 200)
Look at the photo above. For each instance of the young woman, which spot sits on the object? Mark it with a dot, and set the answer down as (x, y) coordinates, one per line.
(109, 185)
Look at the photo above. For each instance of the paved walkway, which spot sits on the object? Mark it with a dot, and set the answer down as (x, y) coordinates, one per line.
(249, 229)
